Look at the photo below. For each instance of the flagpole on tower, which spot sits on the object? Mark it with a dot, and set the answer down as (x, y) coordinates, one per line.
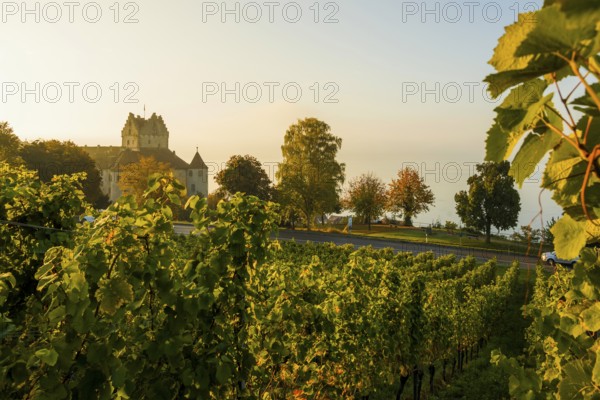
(144, 111)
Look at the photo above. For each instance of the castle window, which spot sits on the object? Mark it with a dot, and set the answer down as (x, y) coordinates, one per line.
(193, 189)
(190, 172)
(127, 142)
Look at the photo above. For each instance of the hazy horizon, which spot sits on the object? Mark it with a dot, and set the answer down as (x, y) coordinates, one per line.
(399, 82)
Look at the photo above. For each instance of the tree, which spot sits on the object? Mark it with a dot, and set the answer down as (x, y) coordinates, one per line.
(133, 178)
(53, 157)
(9, 145)
(244, 174)
(527, 235)
(492, 199)
(451, 226)
(309, 176)
(366, 196)
(289, 213)
(409, 195)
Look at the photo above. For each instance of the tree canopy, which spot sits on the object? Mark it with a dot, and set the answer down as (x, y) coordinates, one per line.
(310, 176)
(10, 145)
(244, 174)
(133, 178)
(366, 196)
(491, 200)
(409, 195)
(53, 157)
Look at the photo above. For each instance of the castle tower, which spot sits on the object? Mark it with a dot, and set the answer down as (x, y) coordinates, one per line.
(140, 133)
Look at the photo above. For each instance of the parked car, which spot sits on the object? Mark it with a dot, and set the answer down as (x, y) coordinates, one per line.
(87, 218)
(552, 260)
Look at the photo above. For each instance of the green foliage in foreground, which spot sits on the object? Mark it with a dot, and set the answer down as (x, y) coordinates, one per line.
(542, 110)
(547, 113)
(125, 309)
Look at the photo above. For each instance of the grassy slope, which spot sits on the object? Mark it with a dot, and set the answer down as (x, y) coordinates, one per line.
(439, 236)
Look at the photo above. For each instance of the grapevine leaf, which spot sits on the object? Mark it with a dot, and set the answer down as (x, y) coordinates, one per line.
(49, 356)
(113, 293)
(591, 318)
(520, 112)
(592, 138)
(223, 372)
(530, 154)
(8, 277)
(505, 58)
(564, 175)
(592, 228)
(516, 66)
(569, 237)
(76, 286)
(558, 32)
(57, 314)
(586, 104)
(576, 377)
(596, 370)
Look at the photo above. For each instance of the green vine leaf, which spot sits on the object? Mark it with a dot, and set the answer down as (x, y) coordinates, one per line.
(591, 318)
(569, 237)
(49, 356)
(113, 293)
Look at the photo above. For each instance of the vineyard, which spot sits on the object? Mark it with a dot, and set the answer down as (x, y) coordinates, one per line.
(122, 308)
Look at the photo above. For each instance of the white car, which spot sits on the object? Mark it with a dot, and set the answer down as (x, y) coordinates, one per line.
(552, 260)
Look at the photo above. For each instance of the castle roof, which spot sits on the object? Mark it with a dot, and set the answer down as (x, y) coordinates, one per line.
(104, 156)
(197, 162)
(162, 155)
(110, 157)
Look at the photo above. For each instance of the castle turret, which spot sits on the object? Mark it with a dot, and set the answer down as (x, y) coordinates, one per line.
(140, 133)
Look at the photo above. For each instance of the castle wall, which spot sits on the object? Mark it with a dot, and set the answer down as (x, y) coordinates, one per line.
(197, 182)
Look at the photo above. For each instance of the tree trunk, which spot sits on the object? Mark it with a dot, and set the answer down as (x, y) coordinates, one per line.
(431, 376)
(369, 222)
(418, 383)
(403, 380)
(453, 368)
(308, 224)
(488, 232)
(444, 370)
(408, 220)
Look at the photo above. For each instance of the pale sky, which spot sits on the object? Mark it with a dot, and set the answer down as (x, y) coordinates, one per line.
(399, 82)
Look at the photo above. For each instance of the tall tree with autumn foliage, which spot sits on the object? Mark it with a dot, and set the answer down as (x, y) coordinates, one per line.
(366, 196)
(133, 178)
(409, 195)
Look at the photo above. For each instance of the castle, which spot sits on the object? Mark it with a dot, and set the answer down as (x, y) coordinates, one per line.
(143, 137)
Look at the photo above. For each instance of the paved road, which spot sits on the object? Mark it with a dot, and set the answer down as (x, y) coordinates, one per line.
(357, 241)
(182, 229)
